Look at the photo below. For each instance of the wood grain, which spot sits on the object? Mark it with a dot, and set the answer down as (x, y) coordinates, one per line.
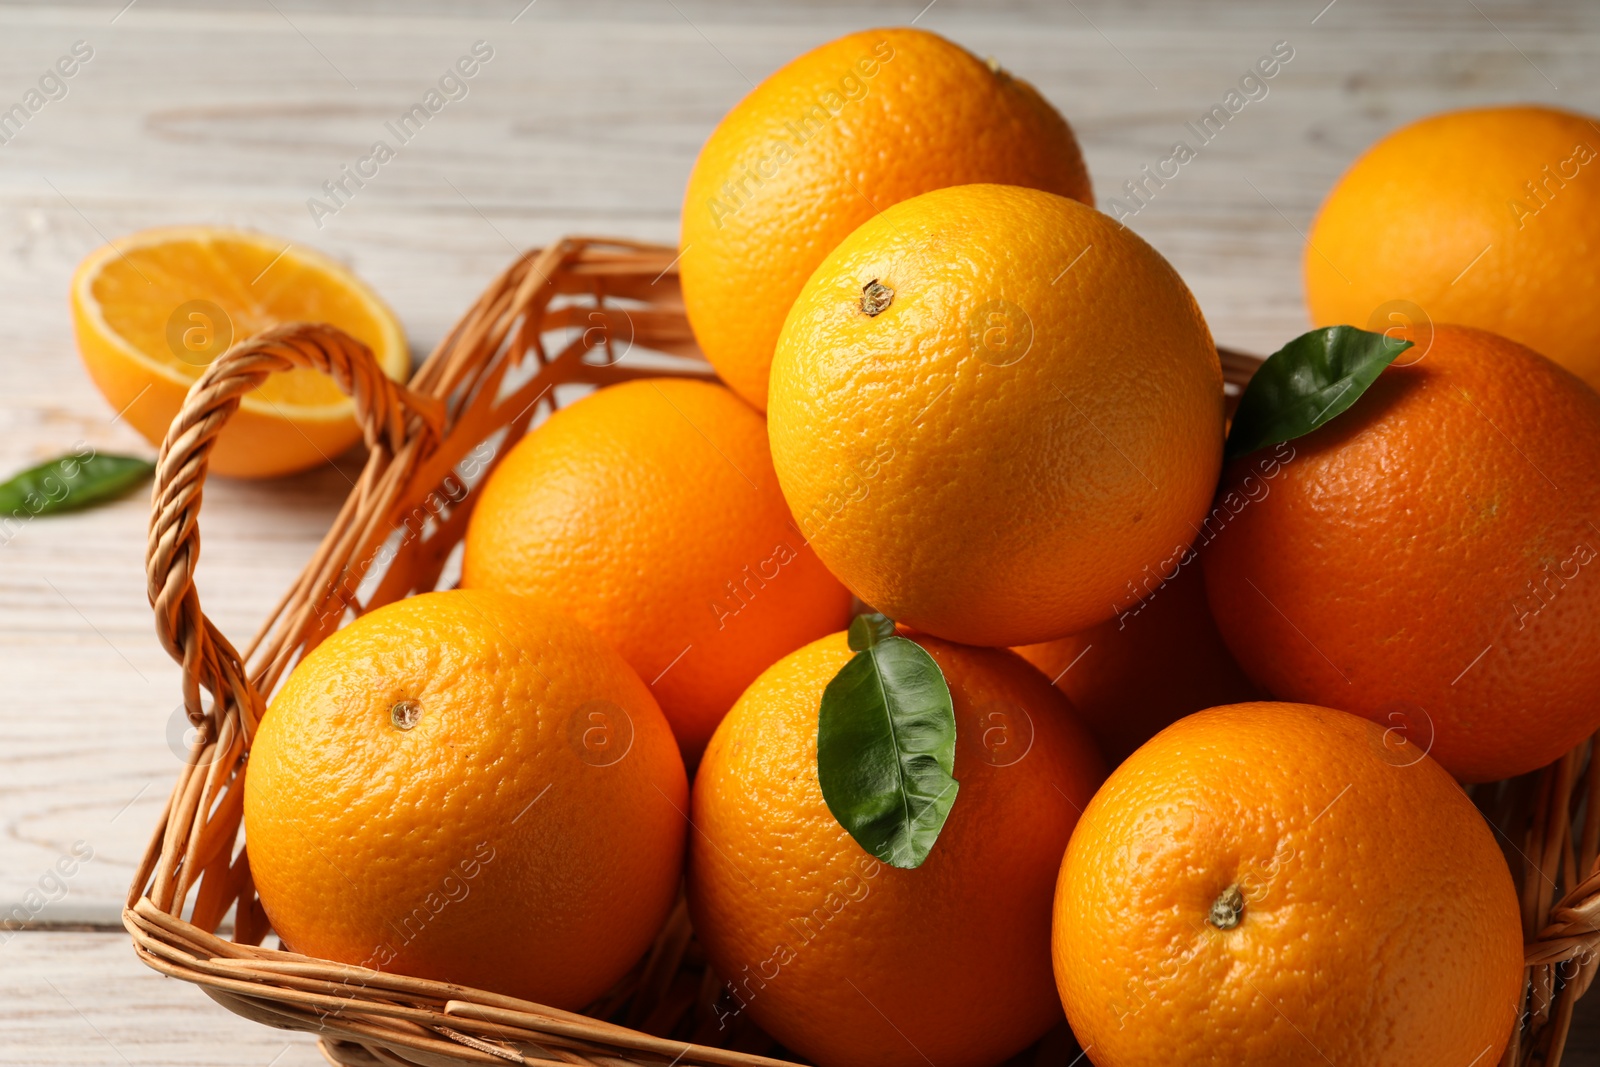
(587, 119)
(82, 999)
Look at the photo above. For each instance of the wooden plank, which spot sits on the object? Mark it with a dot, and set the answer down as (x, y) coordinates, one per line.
(83, 1000)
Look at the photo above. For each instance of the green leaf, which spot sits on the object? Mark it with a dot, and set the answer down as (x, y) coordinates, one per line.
(73, 481)
(886, 745)
(1306, 383)
(867, 629)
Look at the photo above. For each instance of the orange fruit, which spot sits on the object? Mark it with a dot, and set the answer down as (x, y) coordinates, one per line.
(1428, 558)
(1488, 217)
(468, 787)
(154, 309)
(991, 409)
(649, 512)
(849, 961)
(823, 145)
(1269, 884)
(1148, 667)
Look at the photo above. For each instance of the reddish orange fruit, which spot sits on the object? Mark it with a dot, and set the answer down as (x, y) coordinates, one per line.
(825, 143)
(1283, 884)
(964, 406)
(1487, 217)
(1148, 667)
(847, 960)
(468, 787)
(1431, 558)
(649, 512)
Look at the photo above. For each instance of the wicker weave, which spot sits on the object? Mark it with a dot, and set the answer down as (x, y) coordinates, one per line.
(564, 314)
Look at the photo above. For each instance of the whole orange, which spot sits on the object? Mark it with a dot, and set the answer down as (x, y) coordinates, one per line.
(1488, 217)
(468, 787)
(649, 512)
(847, 960)
(1428, 558)
(1148, 667)
(824, 144)
(992, 409)
(1272, 884)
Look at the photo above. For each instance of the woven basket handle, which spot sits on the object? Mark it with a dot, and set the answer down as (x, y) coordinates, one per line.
(386, 411)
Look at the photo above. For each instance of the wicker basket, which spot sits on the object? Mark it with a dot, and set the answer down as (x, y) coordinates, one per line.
(561, 315)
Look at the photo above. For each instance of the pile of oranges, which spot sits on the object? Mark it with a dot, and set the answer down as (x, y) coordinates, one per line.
(1201, 698)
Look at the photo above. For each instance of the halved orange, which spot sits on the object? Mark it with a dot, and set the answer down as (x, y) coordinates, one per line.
(153, 309)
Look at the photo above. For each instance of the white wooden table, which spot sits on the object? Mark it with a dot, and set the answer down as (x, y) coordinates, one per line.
(586, 120)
